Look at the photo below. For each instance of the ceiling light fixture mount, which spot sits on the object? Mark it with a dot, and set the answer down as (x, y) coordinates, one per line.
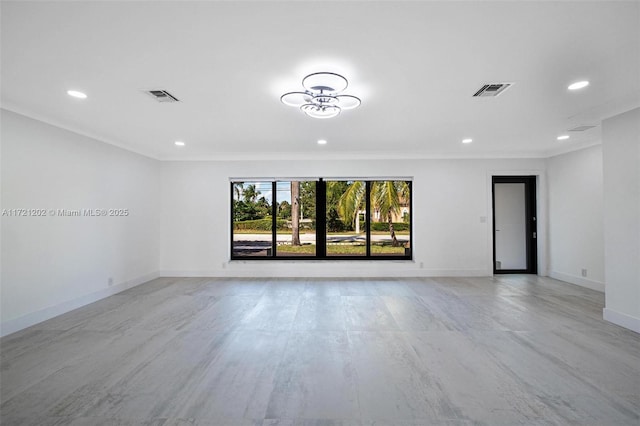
(322, 96)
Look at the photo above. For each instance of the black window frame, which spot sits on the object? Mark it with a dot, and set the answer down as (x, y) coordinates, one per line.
(321, 228)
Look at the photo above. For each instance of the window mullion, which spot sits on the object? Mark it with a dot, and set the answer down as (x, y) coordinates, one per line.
(368, 216)
(410, 184)
(321, 219)
(233, 219)
(274, 219)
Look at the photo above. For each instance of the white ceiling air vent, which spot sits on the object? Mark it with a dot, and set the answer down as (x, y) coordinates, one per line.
(581, 128)
(162, 95)
(492, 89)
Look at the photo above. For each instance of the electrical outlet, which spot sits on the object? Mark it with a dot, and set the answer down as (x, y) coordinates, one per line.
(224, 265)
(421, 265)
(483, 219)
(584, 272)
(110, 281)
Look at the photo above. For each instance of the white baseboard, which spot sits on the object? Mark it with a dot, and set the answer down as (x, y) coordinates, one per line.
(249, 269)
(581, 281)
(17, 324)
(623, 320)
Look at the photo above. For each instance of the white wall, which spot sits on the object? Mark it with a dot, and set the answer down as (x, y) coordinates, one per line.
(54, 264)
(576, 236)
(450, 197)
(179, 222)
(621, 152)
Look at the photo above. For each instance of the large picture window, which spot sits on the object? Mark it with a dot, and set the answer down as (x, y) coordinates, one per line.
(321, 219)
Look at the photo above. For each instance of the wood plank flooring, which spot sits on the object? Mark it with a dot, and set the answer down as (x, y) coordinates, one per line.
(510, 350)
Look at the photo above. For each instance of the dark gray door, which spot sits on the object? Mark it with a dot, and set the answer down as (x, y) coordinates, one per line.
(514, 224)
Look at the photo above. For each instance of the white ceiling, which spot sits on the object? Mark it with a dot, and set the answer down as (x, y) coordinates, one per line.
(414, 64)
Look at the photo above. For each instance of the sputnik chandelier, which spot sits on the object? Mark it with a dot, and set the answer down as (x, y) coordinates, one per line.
(322, 96)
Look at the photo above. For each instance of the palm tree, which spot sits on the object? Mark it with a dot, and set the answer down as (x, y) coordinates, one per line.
(350, 200)
(386, 197)
(250, 193)
(238, 188)
(335, 189)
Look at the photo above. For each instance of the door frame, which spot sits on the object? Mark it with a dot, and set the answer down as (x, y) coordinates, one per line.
(531, 222)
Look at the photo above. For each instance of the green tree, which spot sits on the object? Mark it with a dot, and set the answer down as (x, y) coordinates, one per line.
(238, 188)
(335, 223)
(245, 211)
(247, 205)
(263, 207)
(386, 197)
(308, 199)
(284, 210)
(250, 194)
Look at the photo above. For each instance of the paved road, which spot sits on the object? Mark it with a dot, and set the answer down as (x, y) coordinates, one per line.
(260, 244)
(311, 238)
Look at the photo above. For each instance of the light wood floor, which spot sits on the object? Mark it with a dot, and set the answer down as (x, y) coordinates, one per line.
(452, 351)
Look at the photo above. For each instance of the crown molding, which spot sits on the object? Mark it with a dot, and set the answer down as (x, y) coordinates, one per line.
(301, 156)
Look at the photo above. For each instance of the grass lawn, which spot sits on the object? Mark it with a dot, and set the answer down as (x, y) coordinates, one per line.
(288, 232)
(251, 231)
(340, 249)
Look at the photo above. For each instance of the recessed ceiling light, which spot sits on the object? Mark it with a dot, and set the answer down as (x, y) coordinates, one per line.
(578, 85)
(76, 94)
(322, 142)
(563, 137)
(179, 143)
(467, 140)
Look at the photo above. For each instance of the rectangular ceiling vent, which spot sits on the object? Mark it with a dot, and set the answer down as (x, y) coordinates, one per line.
(581, 128)
(162, 96)
(492, 89)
